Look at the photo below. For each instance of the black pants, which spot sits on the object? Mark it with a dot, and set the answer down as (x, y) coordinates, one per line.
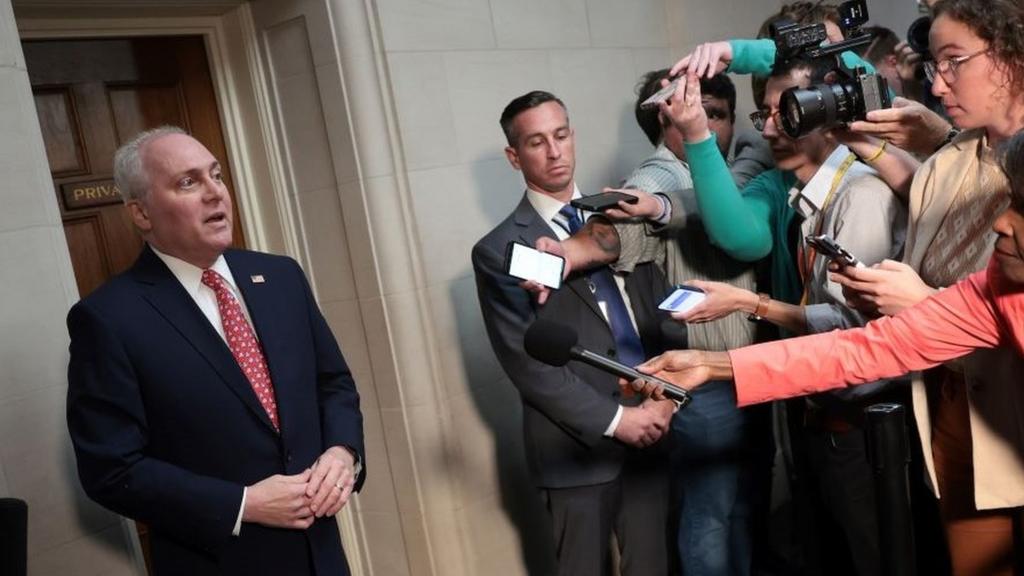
(845, 517)
(634, 507)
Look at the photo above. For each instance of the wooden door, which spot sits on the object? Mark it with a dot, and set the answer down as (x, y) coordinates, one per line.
(93, 95)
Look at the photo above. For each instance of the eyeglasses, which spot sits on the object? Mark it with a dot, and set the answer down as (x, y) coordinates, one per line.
(948, 68)
(760, 118)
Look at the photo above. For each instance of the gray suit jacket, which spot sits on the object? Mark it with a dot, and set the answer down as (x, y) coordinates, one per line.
(565, 410)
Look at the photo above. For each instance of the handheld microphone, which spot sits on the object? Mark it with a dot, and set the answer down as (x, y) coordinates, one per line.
(555, 344)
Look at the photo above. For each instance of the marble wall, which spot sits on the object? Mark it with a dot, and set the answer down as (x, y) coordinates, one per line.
(67, 533)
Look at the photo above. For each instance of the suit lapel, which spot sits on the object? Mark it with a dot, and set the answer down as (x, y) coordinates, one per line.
(164, 292)
(532, 227)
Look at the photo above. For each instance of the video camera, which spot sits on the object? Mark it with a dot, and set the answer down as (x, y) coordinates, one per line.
(851, 95)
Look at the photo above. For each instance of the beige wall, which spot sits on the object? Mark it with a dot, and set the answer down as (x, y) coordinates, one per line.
(67, 533)
(374, 127)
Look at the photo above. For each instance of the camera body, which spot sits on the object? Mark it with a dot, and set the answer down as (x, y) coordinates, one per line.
(791, 39)
(851, 94)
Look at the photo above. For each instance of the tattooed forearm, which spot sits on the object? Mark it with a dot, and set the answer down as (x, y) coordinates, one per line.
(596, 244)
(604, 235)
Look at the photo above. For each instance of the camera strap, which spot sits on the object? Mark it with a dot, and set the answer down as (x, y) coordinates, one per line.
(805, 253)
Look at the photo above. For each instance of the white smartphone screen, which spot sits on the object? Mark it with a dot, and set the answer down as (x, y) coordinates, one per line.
(682, 300)
(529, 264)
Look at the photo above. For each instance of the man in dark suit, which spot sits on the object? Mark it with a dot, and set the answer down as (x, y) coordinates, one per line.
(585, 444)
(206, 395)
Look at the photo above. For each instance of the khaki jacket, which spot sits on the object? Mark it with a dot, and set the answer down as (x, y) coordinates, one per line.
(995, 385)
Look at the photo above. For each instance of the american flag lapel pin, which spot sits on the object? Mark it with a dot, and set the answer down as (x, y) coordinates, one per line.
(257, 279)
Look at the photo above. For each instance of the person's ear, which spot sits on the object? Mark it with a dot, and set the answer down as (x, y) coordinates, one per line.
(139, 215)
(513, 156)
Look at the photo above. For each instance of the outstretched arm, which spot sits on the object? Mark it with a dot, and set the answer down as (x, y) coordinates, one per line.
(732, 223)
(948, 325)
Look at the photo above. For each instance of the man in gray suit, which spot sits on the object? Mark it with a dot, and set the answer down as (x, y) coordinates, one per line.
(594, 455)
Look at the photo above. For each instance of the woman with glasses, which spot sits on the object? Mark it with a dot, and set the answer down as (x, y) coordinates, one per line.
(971, 415)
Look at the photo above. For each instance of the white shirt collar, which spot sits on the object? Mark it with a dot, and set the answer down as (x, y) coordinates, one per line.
(191, 276)
(810, 199)
(547, 206)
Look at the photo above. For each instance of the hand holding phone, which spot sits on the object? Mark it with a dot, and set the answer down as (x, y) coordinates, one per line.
(661, 95)
(827, 246)
(603, 201)
(526, 263)
(683, 299)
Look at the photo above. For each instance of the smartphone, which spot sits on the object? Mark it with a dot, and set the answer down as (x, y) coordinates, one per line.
(824, 244)
(526, 263)
(661, 95)
(682, 299)
(603, 201)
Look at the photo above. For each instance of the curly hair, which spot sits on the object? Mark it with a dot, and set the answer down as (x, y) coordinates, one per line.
(1012, 161)
(1000, 23)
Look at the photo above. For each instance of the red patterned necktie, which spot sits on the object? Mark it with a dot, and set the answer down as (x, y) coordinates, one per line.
(243, 344)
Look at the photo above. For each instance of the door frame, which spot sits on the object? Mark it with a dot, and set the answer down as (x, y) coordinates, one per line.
(244, 104)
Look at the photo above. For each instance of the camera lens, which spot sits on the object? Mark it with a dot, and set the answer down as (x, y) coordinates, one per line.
(820, 106)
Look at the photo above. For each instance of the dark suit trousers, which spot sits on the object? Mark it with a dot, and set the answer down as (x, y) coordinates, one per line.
(633, 506)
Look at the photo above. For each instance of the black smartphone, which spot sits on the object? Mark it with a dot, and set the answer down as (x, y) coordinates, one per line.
(526, 263)
(826, 245)
(603, 201)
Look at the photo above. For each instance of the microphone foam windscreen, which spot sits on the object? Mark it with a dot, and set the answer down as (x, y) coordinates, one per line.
(549, 342)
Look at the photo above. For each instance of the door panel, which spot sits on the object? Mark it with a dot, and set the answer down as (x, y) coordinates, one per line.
(93, 95)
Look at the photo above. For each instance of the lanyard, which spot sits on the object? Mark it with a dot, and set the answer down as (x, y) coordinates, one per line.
(806, 255)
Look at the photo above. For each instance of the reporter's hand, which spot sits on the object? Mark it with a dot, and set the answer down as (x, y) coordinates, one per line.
(647, 206)
(908, 124)
(539, 291)
(331, 481)
(280, 501)
(721, 300)
(686, 368)
(706, 59)
(640, 426)
(886, 288)
(686, 112)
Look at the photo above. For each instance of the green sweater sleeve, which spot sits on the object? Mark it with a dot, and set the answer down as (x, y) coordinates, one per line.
(758, 57)
(752, 56)
(734, 224)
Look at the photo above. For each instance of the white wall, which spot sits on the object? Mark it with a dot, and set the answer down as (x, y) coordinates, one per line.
(67, 534)
(453, 65)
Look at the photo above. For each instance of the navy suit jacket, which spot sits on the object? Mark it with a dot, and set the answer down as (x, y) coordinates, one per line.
(168, 431)
(565, 410)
